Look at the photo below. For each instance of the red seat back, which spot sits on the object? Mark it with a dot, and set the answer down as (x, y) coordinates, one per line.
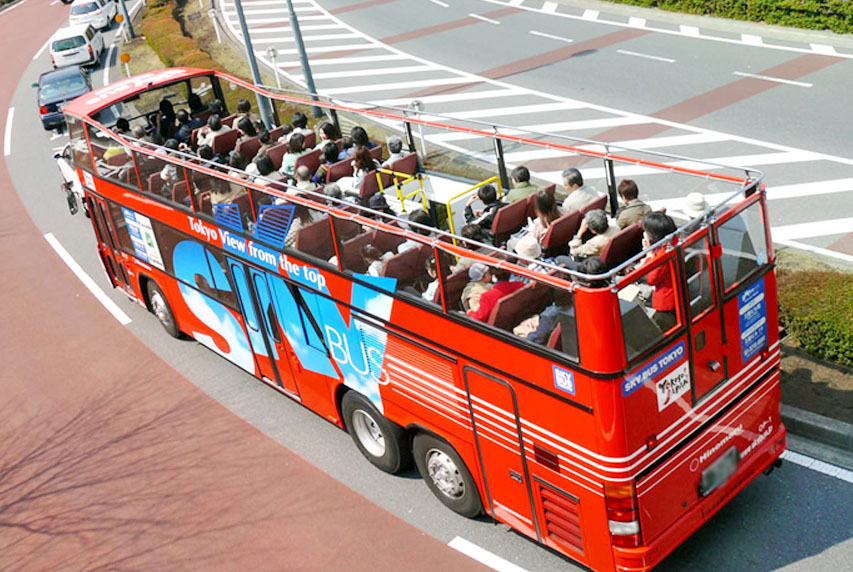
(276, 152)
(249, 147)
(509, 219)
(310, 140)
(407, 164)
(118, 159)
(340, 169)
(155, 183)
(554, 338)
(524, 302)
(223, 143)
(623, 245)
(310, 160)
(598, 203)
(403, 267)
(316, 240)
(180, 192)
(351, 252)
(531, 200)
(275, 133)
(376, 153)
(453, 287)
(561, 231)
(229, 121)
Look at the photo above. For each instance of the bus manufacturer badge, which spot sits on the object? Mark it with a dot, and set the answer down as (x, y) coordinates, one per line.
(563, 379)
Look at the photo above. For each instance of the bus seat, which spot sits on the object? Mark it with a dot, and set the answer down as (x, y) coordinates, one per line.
(118, 159)
(229, 121)
(513, 308)
(554, 338)
(346, 229)
(453, 287)
(623, 245)
(531, 207)
(561, 231)
(342, 168)
(275, 133)
(369, 185)
(315, 239)
(376, 153)
(310, 160)
(550, 189)
(276, 152)
(202, 116)
(386, 241)
(598, 203)
(508, 219)
(407, 164)
(310, 140)
(155, 183)
(223, 143)
(180, 192)
(403, 267)
(351, 252)
(194, 135)
(204, 204)
(249, 147)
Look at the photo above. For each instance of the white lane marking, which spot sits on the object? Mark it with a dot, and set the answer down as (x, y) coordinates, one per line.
(7, 137)
(229, 13)
(440, 3)
(368, 72)
(323, 49)
(549, 7)
(306, 39)
(56, 135)
(590, 15)
(288, 29)
(819, 466)
(812, 229)
(484, 19)
(809, 189)
(42, 48)
(12, 7)
(515, 3)
(401, 85)
(774, 79)
(87, 281)
(636, 22)
(823, 49)
(336, 61)
(751, 39)
(515, 110)
(551, 36)
(647, 56)
(549, 128)
(689, 30)
(110, 53)
(448, 97)
(483, 556)
(283, 20)
(815, 249)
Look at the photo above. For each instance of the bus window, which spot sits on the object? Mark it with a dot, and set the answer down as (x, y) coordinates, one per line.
(79, 146)
(648, 307)
(555, 326)
(744, 245)
(697, 263)
(310, 233)
(202, 88)
(113, 160)
(120, 225)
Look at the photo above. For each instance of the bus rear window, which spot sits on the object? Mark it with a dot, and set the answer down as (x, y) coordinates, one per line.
(744, 245)
(68, 43)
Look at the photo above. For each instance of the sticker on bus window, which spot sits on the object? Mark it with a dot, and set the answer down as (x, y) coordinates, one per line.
(659, 365)
(143, 239)
(674, 385)
(563, 379)
(752, 310)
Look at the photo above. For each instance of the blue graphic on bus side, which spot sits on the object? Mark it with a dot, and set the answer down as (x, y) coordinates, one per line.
(660, 364)
(752, 310)
(564, 379)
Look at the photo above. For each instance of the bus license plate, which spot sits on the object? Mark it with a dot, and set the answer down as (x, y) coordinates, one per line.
(719, 471)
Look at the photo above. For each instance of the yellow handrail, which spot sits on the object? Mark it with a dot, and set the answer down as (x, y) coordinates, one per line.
(450, 212)
(407, 178)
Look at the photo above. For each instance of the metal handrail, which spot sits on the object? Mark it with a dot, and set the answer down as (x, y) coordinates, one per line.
(488, 181)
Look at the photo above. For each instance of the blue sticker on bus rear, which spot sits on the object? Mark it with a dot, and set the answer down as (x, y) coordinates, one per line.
(752, 311)
(653, 369)
(564, 379)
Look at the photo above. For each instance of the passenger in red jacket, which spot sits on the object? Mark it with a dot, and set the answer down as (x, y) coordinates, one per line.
(503, 287)
(656, 226)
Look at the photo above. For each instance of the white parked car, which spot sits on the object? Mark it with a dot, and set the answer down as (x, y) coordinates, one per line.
(99, 13)
(76, 45)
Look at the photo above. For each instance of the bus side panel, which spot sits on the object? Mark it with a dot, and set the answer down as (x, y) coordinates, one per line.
(674, 490)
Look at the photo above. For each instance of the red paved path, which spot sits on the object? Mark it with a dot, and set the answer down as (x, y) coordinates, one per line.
(111, 459)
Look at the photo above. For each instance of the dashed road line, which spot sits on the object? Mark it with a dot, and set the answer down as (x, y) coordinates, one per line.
(817, 465)
(440, 3)
(646, 56)
(551, 36)
(484, 19)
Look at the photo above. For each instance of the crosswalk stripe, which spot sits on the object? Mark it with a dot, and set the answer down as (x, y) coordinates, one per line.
(352, 60)
(393, 86)
(288, 29)
(322, 49)
(552, 127)
(810, 189)
(499, 112)
(229, 13)
(812, 229)
(449, 97)
(368, 72)
(306, 39)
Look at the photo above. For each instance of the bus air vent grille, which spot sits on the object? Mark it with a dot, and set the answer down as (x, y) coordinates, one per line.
(273, 224)
(228, 215)
(562, 519)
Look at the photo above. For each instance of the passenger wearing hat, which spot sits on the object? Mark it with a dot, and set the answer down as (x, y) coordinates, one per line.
(481, 282)
(694, 207)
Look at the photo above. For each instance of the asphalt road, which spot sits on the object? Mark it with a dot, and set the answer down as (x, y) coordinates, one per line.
(797, 519)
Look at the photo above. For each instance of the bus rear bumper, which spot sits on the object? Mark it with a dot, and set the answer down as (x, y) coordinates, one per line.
(648, 556)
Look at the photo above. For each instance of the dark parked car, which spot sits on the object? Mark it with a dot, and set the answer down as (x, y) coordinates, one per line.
(58, 87)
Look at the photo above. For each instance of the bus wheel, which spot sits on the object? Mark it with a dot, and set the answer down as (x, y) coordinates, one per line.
(446, 475)
(382, 441)
(160, 308)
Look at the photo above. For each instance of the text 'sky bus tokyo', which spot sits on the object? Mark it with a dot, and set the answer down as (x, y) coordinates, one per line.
(603, 397)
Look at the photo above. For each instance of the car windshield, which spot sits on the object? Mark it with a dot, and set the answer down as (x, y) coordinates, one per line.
(68, 43)
(52, 88)
(84, 8)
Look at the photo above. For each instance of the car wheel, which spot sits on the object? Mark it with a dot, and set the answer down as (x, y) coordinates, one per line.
(446, 475)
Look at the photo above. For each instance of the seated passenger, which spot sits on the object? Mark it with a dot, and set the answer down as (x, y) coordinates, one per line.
(549, 319)
(360, 138)
(378, 203)
(166, 119)
(186, 126)
(327, 133)
(302, 217)
(395, 151)
(694, 206)
(481, 282)
(265, 170)
(634, 209)
(432, 287)
(246, 128)
(244, 109)
(346, 148)
(169, 172)
(596, 222)
(333, 191)
(328, 158)
(521, 187)
(484, 217)
(265, 141)
(299, 121)
(295, 150)
(656, 226)
(420, 217)
(503, 287)
(547, 211)
(374, 259)
(213, 128)
(302, 177)
(575, 195)
(470, 232)
(362, 164)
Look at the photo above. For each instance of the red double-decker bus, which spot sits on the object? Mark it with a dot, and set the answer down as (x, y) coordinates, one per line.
(606, 415)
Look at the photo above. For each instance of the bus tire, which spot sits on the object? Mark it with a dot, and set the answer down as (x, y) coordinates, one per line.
(383, 442)
(446, 475)
(159, 306)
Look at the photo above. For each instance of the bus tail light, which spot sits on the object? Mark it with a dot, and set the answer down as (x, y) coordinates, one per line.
(622, 515)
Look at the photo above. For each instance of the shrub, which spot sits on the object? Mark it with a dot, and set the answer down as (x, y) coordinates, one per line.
(817, 309)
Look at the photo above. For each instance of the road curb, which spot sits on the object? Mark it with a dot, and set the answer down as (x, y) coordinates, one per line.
(817, 427)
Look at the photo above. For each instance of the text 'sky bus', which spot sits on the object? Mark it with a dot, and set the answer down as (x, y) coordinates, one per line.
(610, 438)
